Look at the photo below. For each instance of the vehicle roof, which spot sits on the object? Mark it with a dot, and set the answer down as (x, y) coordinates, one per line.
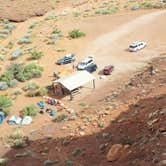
(87, 59)
(68, 55)
(136, 43)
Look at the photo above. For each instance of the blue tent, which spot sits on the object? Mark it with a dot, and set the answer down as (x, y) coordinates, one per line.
(2, 117)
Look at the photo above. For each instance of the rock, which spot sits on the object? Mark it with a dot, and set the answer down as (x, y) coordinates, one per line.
(82, 133)
(163, 162)
(150, 123)
(115, 152)
(22, 154)
(106, 135)
(102, 147)
(40, 13)
(50, 162)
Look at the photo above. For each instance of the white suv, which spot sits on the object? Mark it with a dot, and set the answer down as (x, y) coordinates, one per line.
(135, 46)
(85, 63)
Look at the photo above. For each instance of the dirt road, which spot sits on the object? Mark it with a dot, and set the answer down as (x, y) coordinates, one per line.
(111, 48)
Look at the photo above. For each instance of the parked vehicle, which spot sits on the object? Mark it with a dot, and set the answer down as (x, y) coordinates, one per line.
(68, 58)
(91, 68)
(108, 70)
(135, 46)
(85, 63)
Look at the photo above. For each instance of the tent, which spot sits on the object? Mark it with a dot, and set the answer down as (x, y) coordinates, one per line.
(74, 81)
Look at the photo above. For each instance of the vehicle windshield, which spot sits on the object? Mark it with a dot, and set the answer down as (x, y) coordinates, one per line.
(133, 46)
(82, 63)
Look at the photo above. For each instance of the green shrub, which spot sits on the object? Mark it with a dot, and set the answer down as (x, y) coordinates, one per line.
(31, 85)
(10, 45)
(16, 53)
(60, 118)
(56, 31)
(5, 103)
(17, 91)
(16, 140)
(30, 110)
(7, 77)
(35, 55)
(13, 83)
(3, 85)
(76, 33)
(32, 93)
(42, 91)
(32, 70)
(1, 57)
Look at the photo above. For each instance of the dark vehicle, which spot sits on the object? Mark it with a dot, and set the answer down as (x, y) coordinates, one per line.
(66, 59)
(108, 70)
(91, 68)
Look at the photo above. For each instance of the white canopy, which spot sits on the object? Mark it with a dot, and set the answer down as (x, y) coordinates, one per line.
(76, 79)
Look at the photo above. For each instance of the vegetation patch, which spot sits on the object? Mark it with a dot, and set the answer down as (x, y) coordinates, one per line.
(30, 110)
(76, 33)
(33, 89)
(19, 72)
(16, 140)
(60, 118)
(5, 103)
(34, 55)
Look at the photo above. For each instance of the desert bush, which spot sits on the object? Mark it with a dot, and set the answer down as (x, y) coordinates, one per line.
(42, 91)
(31, 85)
(32, 93)
(33, 25)
(10, 45)
(23, 72)
(107, 10)
(51, 16)
(16, 139)
(3, 36)
(16, 53)
(76, 14)
(1, 57)
(9, 26)
(5, 103)
(135, 7)
(33, 89)
(56, 31)
(7, 77)
(5, 31)
(60, 118)
(3, 85)
(35, 55)
(17, 91)
(25, 39)
(30, 110)
(76, 33)
(13, 83)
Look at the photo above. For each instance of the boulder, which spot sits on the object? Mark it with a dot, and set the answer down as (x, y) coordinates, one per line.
(115, 152)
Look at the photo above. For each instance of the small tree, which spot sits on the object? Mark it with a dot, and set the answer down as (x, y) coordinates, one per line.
(76, 33)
